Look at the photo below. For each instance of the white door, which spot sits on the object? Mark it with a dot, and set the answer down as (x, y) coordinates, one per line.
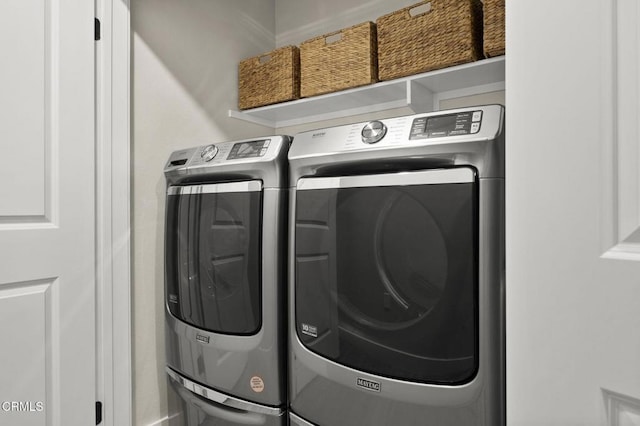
(47, 218)
(573, 212)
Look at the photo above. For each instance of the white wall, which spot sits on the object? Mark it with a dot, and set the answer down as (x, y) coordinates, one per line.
(299, 20)
(185, 58)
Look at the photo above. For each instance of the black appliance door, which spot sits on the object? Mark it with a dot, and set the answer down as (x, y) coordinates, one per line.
(213, 256)
(386, 275)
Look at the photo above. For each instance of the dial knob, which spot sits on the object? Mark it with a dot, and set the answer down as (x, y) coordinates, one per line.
(209, 152)
(373, 131)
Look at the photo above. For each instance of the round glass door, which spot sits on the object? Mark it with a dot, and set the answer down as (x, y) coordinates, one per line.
(386, 278)
(213, 257)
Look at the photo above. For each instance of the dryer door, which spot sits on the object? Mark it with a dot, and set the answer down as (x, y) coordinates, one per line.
(212, 250)
(386, 274)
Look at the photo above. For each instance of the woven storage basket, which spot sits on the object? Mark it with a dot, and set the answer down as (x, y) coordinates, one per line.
(269, 78)
(339, 60)
(429, 35)
(494, 40)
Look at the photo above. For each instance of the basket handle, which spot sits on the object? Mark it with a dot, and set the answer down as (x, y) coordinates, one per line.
(264, 59)
(421, 9)
(333, 38)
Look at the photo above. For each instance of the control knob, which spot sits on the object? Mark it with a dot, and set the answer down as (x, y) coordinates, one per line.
(209, 152)
(373, 131)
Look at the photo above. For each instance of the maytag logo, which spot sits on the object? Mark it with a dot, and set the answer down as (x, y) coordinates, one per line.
(318, 134)
(202, 339)
(368, 384)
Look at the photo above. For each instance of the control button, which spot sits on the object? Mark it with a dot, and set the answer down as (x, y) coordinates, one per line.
(475, 127)
(209, 152)
(373, 132)
(418, 127)
(477, 116)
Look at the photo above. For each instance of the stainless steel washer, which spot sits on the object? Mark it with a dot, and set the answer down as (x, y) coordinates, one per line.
(225, 281)
(396, 272)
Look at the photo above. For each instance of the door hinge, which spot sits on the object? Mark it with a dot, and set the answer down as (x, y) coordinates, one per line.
(96, 33)
(98, 412)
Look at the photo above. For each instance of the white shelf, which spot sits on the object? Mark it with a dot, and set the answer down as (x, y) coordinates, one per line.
(421, 93)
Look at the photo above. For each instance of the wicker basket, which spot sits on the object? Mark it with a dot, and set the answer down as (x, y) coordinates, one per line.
(494, 40)
(270, 78)
(339, 60)
(429, 35)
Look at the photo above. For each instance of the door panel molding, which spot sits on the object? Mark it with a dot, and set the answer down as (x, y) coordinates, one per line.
(621, 410)
(19, 223)
(28, 79)
(620, 194)
(34, 330)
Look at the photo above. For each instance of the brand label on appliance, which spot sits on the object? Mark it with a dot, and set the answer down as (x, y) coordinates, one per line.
(202, 339)
(173, 298)
(368, 384)
(257, 384)
(310, 330)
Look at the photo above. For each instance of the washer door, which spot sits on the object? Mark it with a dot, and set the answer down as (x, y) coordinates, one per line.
(386, 273)
(212, 250)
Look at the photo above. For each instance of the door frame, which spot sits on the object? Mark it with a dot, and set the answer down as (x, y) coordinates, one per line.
(114, 374)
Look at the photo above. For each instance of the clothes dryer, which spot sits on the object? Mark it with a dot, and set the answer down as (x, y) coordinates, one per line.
(396, 272)
(225, 281)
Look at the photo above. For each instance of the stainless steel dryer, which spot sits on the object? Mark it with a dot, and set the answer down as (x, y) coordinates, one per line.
(225, 282)
(397, 272)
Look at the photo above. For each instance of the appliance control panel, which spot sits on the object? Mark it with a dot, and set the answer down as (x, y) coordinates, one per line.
(225, 152)
(438, 126)
(456, 126)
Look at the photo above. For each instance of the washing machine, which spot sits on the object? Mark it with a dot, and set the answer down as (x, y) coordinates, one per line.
(396, 272)
(225, 281)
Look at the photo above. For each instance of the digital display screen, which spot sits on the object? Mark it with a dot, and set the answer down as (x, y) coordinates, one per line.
(439, 126)
(248, 149)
